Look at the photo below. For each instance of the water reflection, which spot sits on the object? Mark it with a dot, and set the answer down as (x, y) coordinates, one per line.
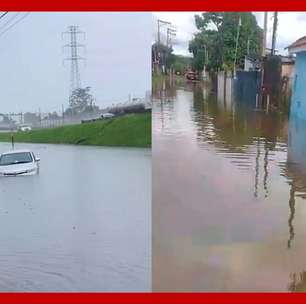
(229, 189)
(291, 216)
(297, 282)
(295, 167)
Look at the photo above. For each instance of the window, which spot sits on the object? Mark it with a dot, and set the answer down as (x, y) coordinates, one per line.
(16, 158)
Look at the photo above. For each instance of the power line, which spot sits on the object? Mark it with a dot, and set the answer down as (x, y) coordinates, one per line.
(15, 23)
(1, 16)
(9, 21)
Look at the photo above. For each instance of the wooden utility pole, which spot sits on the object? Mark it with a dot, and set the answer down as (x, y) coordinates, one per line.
(168, 37)
(170, 33)
(236, 48)
(205, 61)
(63, 115)
(158, 32)
(159, 23)
(248, 47)
(264, 36)
(274, 33)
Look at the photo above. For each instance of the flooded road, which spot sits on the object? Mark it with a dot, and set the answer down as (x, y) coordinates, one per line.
(229, 195)
(82, 224)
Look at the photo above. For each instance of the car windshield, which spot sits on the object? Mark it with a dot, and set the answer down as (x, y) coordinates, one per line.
(15, 158)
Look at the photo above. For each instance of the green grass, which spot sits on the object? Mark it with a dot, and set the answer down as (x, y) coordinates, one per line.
(157, 78)
(131, 130)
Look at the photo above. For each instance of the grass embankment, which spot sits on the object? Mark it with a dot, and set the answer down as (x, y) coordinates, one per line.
(131, 130)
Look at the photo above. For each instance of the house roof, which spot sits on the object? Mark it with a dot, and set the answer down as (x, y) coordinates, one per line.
(287, 59)
(298, 45)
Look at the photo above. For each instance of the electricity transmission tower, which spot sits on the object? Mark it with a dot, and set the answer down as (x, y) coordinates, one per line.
(75, 78)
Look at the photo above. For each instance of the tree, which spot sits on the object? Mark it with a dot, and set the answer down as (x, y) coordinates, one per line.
(53, 115)
(81, 101)
(217, 34)
(162, 54)
(181, 63)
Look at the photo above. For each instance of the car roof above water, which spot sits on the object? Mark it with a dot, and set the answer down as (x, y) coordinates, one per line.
(16, 151)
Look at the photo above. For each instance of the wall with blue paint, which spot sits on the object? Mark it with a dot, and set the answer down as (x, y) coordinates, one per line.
(297, 142)
(295, 167)
(298, 101)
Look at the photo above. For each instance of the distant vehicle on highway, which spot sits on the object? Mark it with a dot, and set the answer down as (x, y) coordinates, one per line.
(107, 115)
(18, 162)
(25, 128)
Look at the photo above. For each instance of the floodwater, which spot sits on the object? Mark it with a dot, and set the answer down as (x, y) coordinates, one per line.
(229, 195)
(82, 224)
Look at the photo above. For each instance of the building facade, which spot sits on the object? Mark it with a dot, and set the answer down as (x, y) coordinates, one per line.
(298, 100)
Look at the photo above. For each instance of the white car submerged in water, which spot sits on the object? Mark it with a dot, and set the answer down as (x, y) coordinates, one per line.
(18, 162)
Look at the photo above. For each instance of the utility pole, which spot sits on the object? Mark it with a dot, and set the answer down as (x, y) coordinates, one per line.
(159, 24)
(248, 46)
(274, 33)
(236, 49)
(39, 117)
(170, 33)
(168, 37)
(63, 114)
(264, 36)
(158, 32)
(205, 61)
(75, 78)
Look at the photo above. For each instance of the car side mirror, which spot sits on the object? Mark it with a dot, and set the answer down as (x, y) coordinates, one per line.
(37, 159)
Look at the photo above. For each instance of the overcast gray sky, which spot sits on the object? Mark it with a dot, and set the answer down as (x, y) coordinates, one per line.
(291, 26)
(32, 75)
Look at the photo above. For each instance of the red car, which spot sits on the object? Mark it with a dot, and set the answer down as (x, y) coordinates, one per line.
(190, 75)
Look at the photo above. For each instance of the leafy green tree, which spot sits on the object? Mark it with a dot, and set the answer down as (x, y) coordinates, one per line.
(181, 63)
(81, 101)
(199, 60)
(217, 34)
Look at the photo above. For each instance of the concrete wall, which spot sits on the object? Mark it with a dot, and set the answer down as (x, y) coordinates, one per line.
(225, 89)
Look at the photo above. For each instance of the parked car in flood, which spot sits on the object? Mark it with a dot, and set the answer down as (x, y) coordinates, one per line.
(107, 115)
(18, 162)
(192, 76)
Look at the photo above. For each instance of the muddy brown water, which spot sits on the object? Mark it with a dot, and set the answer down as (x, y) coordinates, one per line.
(82, 224)
(229, 190)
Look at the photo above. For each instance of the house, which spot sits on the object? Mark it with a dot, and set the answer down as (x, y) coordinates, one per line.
(251, 63)
(298, 100)
(288, 66)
